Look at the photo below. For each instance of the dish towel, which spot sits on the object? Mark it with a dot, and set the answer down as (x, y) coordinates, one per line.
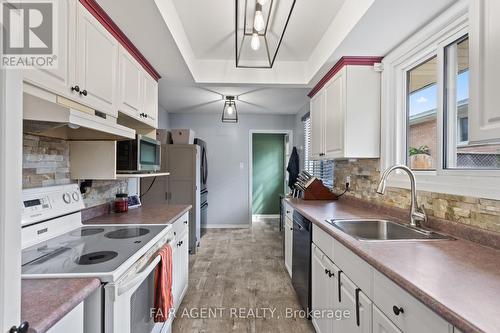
(163, 285)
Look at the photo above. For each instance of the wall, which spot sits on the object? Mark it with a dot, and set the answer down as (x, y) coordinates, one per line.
(46, 163)
(298, 137)
(228, 157)
(268, 170)
(163, 118)
(365, 175)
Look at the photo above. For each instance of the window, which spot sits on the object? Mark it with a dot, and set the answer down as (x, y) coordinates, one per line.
(459, 152)
(320, 169)
(426, 118)
(421, 114)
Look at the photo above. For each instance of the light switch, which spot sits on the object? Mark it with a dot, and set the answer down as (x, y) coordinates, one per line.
(242, 166)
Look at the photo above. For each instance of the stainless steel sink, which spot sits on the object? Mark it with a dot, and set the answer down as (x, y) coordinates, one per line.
(382, 230)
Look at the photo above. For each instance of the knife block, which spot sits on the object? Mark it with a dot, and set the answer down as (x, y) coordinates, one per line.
(317, 191)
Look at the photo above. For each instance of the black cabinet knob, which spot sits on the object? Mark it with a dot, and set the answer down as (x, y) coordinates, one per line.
(75, 88)
(397, 310)
(185, 222)
(291, 229)
(23, 328)
(330, 274)
(83, 92)
(326, 271)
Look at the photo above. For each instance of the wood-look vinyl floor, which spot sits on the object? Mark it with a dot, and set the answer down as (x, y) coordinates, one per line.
(238, 283)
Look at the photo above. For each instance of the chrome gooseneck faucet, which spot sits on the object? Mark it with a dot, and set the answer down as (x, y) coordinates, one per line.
(417, 214)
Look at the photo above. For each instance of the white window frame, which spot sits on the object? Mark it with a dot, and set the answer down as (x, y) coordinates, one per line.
(428, 42)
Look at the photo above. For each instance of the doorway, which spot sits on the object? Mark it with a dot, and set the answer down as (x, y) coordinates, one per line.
(268, 154)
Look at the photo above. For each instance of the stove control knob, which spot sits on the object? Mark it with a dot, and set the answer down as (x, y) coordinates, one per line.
(75, 196)
(66, 198)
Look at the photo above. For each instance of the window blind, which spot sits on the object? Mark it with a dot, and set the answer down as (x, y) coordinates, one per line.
(320, 169)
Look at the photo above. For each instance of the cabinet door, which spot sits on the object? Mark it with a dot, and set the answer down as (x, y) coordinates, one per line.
(382, 324)
(358, 305)
(96, 64)
(60, 79)
(322, 293)
(288, 245)
(183, 266)
(334, 117)
(317, 125)
(484, 114)
(150, 100)
(131, 84)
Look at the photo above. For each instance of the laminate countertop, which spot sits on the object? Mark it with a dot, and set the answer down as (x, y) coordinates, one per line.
(146, 214)
(458, 279)
(46, 301)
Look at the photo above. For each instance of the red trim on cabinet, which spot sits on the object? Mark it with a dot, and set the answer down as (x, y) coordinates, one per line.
(344, 61)
(93, 7)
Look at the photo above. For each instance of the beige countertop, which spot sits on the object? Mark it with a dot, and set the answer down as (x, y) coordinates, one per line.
(459, 280)
(146, 214)
(46, 301)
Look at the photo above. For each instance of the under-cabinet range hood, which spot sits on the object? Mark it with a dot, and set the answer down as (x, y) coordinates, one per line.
(51, 115)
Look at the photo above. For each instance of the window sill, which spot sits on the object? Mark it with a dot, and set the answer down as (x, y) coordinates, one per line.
(466, 183)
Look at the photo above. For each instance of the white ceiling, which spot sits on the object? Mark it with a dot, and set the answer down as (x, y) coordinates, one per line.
(209, 26)
(209, 99)
(166, 32)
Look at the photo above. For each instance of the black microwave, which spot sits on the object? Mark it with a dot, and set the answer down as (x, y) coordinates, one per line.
(139, 155)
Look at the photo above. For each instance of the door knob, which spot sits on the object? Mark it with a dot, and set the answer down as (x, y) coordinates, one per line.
(397, 310)
(23, 328)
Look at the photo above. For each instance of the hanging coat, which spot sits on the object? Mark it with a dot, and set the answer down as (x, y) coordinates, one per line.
(293, 168)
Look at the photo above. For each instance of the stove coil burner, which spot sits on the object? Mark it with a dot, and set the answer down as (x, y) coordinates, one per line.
(127, 233)
(96, 257)
(87, 232)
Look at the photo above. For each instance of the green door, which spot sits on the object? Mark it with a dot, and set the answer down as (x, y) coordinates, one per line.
(268, 154)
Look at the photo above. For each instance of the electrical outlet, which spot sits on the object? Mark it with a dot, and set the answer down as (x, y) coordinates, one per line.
(348, 179)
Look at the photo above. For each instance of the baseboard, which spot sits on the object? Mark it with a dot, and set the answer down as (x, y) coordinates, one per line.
(266, 216)
(225, 226)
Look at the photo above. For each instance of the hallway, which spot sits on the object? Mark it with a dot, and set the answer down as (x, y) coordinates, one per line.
(238, 283)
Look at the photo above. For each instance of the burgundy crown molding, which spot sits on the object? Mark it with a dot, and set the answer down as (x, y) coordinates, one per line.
(344, 61)
(93, 7)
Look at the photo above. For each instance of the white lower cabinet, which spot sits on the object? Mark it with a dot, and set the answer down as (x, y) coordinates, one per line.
(72, 322)
(357, 304)
(382, 324)
(180, 271)
(288, 244)
(322, 292)
(367, 301)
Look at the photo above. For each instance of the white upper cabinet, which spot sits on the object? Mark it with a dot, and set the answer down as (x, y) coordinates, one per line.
(484, 118)
(317, 127)
(60, 79)
(95, 70)
(96, 64)
(334, 118)
(347, 115)
(150, 108)
(131, 85)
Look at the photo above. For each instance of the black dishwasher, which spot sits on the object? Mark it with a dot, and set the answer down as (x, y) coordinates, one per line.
(301, 259)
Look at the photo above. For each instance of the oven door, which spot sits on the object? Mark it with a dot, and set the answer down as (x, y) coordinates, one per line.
(129, 303)
(149, 151)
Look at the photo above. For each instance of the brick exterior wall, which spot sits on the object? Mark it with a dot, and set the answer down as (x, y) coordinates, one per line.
(365, 175)
(46, 163)
(424, 134)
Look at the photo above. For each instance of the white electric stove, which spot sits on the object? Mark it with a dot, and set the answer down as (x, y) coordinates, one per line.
(57, 245)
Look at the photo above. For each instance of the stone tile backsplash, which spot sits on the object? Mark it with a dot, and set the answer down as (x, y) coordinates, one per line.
(365, 174)
(46, 163)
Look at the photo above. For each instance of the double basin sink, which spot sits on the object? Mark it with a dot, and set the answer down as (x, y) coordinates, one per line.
(383, 230)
